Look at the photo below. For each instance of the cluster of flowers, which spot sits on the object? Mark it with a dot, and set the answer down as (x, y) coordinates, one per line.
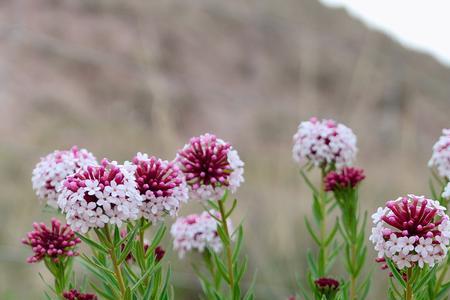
(76, 295)
(324, 142)
(197, 231)
(348, 177)
(92, 195)
(211, 166)
(56, 242)
(411, 231)
(51, 171)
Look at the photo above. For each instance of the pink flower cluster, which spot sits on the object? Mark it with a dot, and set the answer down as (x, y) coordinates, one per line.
(196, 232)
(348, 177)
(327, 284)
(324, 142)
(54, 168)
(411, 231)
(211, 166)
(76, 295)
(100, 194)
(55, 243)
(440, 158)
(162, 186)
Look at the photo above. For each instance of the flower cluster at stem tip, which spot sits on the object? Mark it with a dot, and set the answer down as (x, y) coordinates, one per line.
(161, 184)
(348, 177)
(196, 232)
(55, 242)
(440, 158)
(52, 169)
(100, 194)
(211, 166)
(411, 230)
(76, 295)
(324, 142)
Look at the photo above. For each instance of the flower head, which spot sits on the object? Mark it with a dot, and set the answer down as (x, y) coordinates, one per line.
(100, 194)
(196, 232)
(55, 243)
(211, 166)
(324, 143)
(348, 177)
(161, 184)
(411, 231)
(440, 158)
(446, 193)
(327, 286)
(76, 295)
(51, 171)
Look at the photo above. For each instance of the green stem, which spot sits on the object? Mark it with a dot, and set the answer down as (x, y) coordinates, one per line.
(60, 279)
(352, 276)
(116, 265)
(323, 227)
(408, 290)
(227, 244)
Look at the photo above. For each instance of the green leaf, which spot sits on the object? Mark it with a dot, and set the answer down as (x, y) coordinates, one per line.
(396, 273)
(332, 234)
(238, 244)
(308, 183)
(422, 282)
(92, 243)
(311, 231)
(158, 237)
(233, 206)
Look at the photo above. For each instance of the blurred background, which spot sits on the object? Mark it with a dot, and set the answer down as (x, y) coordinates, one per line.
(117, 77)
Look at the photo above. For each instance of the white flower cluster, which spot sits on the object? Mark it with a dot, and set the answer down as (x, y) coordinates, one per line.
(211, 166)
(162, 186)
(446, 193)
(440, 158)
(323, 142)
(411, 231)
(196, 232)
(52, 169)
(100, 194)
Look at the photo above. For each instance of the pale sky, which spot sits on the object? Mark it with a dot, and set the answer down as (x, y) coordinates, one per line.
(420, 24)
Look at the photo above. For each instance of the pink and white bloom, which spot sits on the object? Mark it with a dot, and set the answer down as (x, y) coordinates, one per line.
(196, 232)
(100, 194)
(162, 186)
(324, 142)
(440, 159)
(51, 171)
(411, 231)
(211, 166)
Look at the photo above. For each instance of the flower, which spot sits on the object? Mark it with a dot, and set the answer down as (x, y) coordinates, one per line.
(54, 168)
(446, 193)
(196, 232)
(76, 295)
(324, 143)
(100, 194)
(211, 166)
(440, 159)
(55, 243)
(348, 177)
(161, 184)
(327, 287)
(411, 231)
